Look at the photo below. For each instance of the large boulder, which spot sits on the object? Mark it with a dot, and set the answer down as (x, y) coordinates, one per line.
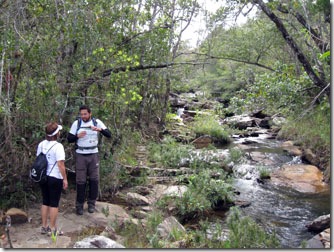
(240, 122)
(97, 241)
(320, 223)
(320, 241)
(293, 150)
(17, 216)
(175, 190)
(169, 225)
(136, 199)
(301, 177)
(202, 142)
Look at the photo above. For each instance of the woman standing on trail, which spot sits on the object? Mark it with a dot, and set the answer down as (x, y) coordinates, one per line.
(57, 179)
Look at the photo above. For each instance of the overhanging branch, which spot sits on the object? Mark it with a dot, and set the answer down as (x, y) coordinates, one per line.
(88, 82)
(231, 59)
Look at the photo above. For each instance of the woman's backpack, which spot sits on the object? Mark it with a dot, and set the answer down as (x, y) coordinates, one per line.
(39, 168)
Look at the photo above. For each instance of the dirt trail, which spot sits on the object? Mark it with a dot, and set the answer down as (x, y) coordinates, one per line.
(75, 227)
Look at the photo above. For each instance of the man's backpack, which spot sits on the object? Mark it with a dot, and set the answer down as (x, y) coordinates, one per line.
(80, 121)
(39, 168)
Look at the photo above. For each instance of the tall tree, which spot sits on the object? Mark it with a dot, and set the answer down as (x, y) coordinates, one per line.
(319, 79)
(55, 55)
(305, 27)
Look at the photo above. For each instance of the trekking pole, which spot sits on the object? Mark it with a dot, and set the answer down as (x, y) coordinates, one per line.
(8, 224)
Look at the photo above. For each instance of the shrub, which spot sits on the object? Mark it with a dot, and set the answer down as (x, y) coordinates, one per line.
(168, 153)
(246, 233)
(264, 173)
(203, 194)
(141, 236)
(236, 155)
(209, 125)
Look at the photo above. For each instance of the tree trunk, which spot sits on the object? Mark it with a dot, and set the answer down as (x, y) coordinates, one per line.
(300, 55)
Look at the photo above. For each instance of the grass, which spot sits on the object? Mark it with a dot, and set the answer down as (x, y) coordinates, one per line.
(243, 233)
(236, 155)
(209, 125)
(143, 235)
(312, 131)
(264, 173)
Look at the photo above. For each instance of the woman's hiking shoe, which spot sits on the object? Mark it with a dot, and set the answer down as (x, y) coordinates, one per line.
(45, 230)
(55, 232)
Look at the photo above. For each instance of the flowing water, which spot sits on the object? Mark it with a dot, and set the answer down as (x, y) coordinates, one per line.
(277, 209)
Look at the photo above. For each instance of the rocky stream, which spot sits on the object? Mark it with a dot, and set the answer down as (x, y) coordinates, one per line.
(294, 202)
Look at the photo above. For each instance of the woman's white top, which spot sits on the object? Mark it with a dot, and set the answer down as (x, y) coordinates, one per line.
(57, 153)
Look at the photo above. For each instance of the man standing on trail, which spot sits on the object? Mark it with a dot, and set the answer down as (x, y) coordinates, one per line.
(85, 133)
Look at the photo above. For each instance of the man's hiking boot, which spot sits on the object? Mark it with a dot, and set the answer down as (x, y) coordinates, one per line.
(91, 209)
(79, 211)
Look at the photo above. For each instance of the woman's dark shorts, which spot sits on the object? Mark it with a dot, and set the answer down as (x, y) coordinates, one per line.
(51, 191)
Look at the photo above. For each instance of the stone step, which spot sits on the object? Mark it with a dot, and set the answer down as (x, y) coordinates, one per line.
(161, 180)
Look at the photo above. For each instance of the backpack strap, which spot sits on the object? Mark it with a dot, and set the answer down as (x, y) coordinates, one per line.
(78, 124)
(52, 168)
(48, 162)
(80, 121)
(50, 148)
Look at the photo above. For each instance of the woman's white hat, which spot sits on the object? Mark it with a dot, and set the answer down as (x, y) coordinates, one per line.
(56, 131)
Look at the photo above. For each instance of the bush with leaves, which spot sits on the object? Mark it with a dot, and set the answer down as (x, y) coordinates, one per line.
(244, 232)
(203, 194)
(168, 153)
(276, 91)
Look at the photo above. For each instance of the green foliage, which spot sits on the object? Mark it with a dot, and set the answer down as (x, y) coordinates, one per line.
(235, 155)
(246, 233)
(125, 152)
(53, 237)
(242, 233)
(64, 57)
(105, 211)
(202, 194)
(112, 166)
(303, 244)
(231, 49)
(18, 197)
(113, 177)
(170, 117)
(279, 91)
(209, 125)
(140, 236)
(168, 153)
(264, 173)
(311, 130)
